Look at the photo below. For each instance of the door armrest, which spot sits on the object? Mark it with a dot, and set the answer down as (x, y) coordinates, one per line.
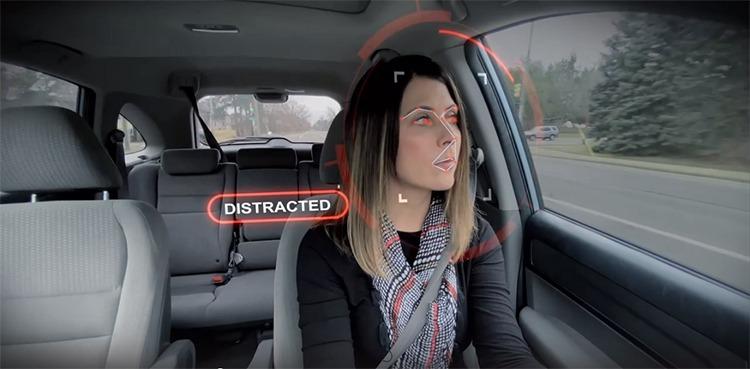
(558, 345)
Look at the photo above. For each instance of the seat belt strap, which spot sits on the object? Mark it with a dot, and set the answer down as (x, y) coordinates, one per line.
(117, 152)
(419, 318)
(210, 139)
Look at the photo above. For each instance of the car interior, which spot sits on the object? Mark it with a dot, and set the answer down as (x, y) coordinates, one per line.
(109, 258)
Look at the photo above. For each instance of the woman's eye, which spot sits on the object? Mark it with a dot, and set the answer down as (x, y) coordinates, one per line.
(423, 120)
(452, 119)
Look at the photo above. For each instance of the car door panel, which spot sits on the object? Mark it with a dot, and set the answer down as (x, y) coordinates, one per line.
(551, 302)
(558, 345)
(681, 317)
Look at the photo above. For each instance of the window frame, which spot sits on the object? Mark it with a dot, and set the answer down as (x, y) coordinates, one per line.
(504, 118)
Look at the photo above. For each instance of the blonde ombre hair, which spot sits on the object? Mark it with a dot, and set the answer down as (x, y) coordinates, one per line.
(371, 139)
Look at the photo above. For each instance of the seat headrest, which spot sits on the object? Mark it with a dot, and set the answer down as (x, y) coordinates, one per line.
(267, 157)
(329, 165)
(316, 150)
(52, 149)
(190, 161)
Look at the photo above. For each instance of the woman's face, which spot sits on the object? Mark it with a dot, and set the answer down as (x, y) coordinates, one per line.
(429, 138)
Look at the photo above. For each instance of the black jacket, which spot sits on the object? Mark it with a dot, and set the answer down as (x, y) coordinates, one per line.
(342, 325)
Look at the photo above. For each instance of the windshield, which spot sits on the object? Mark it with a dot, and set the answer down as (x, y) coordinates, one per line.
(241, 119)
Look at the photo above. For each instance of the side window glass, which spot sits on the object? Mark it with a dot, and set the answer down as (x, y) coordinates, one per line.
(20, 86)
(638, 126)
(133, 141)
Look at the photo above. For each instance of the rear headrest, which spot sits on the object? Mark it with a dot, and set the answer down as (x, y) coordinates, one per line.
(52, 149)
(263, 158)
(190, 161)
(316, 150)
(329, 165)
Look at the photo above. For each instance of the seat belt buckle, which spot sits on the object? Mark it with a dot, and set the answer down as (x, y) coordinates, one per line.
(222, 279)
(235, 258)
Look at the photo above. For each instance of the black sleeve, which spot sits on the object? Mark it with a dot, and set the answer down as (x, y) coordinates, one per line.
(323, 307)
(495, 331)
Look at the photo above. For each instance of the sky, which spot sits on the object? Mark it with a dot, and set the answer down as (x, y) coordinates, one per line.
(556, 38)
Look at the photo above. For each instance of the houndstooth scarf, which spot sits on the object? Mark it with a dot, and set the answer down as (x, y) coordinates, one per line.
(403, 285)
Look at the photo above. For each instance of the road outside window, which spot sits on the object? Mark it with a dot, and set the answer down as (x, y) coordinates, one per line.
(638, 126)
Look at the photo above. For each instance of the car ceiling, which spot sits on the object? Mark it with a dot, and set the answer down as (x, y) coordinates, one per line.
(133, 46)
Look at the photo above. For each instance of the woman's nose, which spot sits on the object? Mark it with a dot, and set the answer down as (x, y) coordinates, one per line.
(447, 137)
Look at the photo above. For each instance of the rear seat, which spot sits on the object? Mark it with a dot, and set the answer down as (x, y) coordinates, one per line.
(264, 170)
(199, 248)
(309, 173)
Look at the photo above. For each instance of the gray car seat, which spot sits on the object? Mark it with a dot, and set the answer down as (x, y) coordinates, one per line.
(84, 283)
(286, 348)
(264, 170)
(309, 173)
(180, 187)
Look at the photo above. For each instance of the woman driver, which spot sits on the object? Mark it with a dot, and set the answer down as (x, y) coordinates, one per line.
(360, 280)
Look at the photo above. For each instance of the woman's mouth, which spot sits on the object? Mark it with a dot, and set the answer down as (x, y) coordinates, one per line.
(445, 164)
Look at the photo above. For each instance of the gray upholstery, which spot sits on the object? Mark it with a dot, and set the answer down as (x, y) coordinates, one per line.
(309, 173)
(260, 240)
(84, 283)
(200, 248)
(196, 302)
(190, 161)
(197, 244)
(180, 354)
(90, 291)
(558, 345)
(266, 158)
(51, 149)
(142, 182)
(259, 254)
(287, 339)
(316, 150)
(263, 357)
(248, 297)
(329, 165)
(470, 357)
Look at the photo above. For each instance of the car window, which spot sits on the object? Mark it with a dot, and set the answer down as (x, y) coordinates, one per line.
(241, 119)
(25, 87)
(653, 137)
(133, 141)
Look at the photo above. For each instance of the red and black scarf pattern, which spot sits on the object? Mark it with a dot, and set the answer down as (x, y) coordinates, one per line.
(404, 284)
